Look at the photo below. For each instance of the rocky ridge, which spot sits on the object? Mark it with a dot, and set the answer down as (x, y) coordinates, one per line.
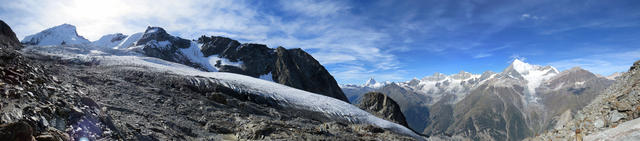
(291, 67)
(619, 103)
(382, 106)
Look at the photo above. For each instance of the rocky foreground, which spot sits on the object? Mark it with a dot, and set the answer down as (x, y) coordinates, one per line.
(609, 117)
(51, 98)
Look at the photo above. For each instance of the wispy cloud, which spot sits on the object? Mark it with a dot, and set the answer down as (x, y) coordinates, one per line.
(527, 16)
(315, 7)
(516, 56)
(324, 28)
(356, 40)
(481, 55)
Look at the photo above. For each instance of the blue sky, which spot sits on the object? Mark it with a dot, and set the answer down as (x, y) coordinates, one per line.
(387, 40)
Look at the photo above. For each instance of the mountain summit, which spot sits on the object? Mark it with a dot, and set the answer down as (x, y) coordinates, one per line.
(57, 35)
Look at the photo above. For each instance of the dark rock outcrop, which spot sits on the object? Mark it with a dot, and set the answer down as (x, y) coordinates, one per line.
(382, 106)
(291, 67)
(18, 131)
(411, 104)
(158, 34)
(7, 36)
(298, 69)
(216, 45)
(158, 43)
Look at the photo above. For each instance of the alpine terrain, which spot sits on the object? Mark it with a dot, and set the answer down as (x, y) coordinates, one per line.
(521, 101)
(155, 86)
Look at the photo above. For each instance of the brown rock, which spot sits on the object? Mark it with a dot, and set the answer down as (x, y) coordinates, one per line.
(17, 131)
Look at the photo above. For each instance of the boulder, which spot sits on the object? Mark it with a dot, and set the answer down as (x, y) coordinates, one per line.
(383, 107)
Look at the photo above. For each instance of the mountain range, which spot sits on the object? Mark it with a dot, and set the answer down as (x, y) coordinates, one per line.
(152, 85)
(519, 102)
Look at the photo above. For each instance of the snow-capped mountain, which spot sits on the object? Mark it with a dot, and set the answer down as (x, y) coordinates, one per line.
(117, 40)
(304, 103)
(459, 84)
(372, 83)
(57, 35)
(292, 67)
(534, 75)
(440, 103)
(109, 40)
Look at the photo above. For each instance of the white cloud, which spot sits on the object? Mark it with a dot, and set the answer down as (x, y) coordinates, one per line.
(527, 16)
(324, 27)
(314, 7)
(516, 56)
(481, 55)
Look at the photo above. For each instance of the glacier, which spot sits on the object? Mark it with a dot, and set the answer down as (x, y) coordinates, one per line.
(287, 97)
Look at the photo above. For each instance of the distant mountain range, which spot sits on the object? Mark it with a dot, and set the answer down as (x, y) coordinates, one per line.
(519, 102)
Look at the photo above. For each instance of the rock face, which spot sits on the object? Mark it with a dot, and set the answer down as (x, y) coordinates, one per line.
(291, 67)
(619, 103)
(382, 106)
(7, 36)
(300, 70)
(158, 43)
(410, 103)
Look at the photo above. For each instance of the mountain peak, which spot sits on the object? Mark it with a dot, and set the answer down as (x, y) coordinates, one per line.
(520, 66)
(7, 36)
(154, 29)
(524, 68)
(576, 69)
(370, 82)
(57, 35)
(435, 77)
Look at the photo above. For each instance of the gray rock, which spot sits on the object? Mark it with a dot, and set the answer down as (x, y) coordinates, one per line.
(599, 123)
(8, 37)
(298, 69)
(383, 107)
(291, 67)
(615, 116)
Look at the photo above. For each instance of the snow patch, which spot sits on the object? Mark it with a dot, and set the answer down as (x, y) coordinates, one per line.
(109, 40)
(195, 55)
(213, 60)
(129, 41)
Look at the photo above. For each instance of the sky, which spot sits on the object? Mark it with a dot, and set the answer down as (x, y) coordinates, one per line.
(387, 40)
